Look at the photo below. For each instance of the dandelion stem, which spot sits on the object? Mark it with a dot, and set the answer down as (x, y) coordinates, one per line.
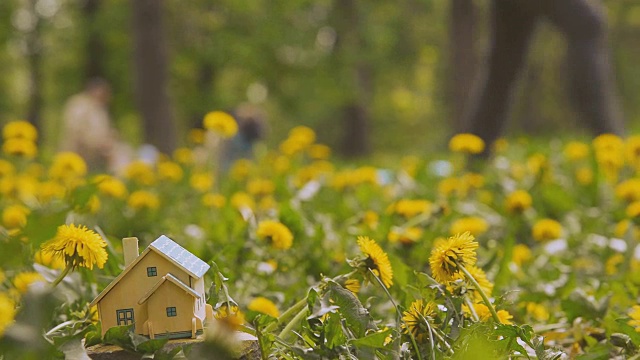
(285, 315)
(296, 319)
(477, 287)
(413, 340)
(471, 309)
(61, 276)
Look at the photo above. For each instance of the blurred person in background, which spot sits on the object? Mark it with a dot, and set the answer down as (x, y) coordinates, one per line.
(88, 130)
(588, 64)
(251, 129)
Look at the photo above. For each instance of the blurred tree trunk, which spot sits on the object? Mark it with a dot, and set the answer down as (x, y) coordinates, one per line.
(462, 26)
(34, 61)
(357, 125)
(94, 46)
(150, 64)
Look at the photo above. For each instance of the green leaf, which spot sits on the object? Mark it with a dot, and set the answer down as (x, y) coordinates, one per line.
(629, 330)
(119, 335)
(374, 340)
(151, 346)
(351, 308)
(333, 333)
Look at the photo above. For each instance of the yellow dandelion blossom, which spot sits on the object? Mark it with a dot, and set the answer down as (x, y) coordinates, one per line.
(481, 278)
(576, 150)
(474, 225)
(111, 186)
(371, 219)
(6, 168)
(241, 169)
(196, 136)
(484, 314)
(352, 285)
(633, 210)
(410, 208)
(518, 201)
(265, 306)
(201, 181)
(276, 233)
(22, 281)
(466, 143)
(537, 311)
(20, 130)
(319, 151)
(634, 314)
(67, 165)
(460, 248)
(183, 156)
(414, 320)
(405, 236)
(611, 265)
(140, 172)
(229, 316)
(242, 200)
(20, 147)
(221, 123)
(78, 246)
(142, 199)
(49, 260)
(377, 260)
(546, 229)
(7, 312)
(213, 200)
(584, 175)
(15, 216)
(260, 187)
(629, 190)
(521, 254)
(171, 171)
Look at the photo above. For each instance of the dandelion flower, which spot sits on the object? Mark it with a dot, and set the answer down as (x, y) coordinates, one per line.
(265, 306)
(67, 165)
(352, 285)
(142, 199)
(78, 246)
(472, 224)
(23, 280)
(518, 201)
(221, 123)
(14, 216)
(546, 229)
(213, 200)
(169, 170)
(634, 314)
(276, 233)
(377, 260)
(460, 248)
(484, 314)
(20, 147)
(414, 319)
(466, 143)
(481, 278)
(576, 150)
(7, 312)
(20, 130)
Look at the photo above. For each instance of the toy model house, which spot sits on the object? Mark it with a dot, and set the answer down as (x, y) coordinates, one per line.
(161, 291)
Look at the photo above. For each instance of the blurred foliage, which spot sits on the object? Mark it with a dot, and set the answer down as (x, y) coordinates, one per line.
(284, 56)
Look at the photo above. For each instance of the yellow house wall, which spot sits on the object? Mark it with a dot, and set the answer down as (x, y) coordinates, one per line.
(132, 287)
(166, 296)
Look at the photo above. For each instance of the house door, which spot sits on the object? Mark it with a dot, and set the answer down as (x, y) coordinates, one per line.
(124, 316)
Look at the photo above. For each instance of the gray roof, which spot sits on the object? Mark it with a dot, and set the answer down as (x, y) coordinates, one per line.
(179, 255)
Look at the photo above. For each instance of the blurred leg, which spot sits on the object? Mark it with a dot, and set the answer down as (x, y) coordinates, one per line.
(513, 22)
(589, 64)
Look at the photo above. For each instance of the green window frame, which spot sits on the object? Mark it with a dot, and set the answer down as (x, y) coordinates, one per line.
(124, 316)
(152, 271)
(171, 311)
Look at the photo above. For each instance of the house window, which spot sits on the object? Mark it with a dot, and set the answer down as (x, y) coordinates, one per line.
(152, 271)
(124, 316)
(171, 311)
